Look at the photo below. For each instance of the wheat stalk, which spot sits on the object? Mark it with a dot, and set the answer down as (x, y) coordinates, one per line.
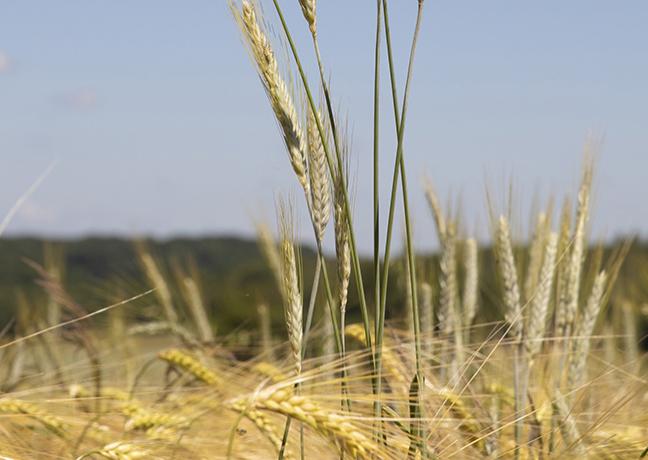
(535, 256)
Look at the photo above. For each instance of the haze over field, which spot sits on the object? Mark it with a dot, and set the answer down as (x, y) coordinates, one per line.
(156, 121)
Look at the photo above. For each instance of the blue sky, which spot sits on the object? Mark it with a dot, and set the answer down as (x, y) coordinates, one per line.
(158, 124)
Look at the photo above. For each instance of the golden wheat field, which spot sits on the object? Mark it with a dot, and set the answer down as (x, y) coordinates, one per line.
(552, 368)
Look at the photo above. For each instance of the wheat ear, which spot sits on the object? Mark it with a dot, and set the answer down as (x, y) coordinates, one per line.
(270, 251)
(292, 294)
(578, 248)
(119, 451)
(191, 365)
(568, 428)
(471, 282)
(536, 249)
(162, 292)
(263, 424)
(197, 309)
(427, 315)
(583, 332)
(276, 88)
(509, 278)
(435, 206)
(342, 249)
(562, 278)
(540, 301)
(17, 406)
(319, 176)
(309, 10)
(448, 283)
(344, 433)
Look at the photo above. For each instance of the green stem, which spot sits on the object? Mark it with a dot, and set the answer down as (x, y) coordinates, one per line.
(399, 164)
(376, 205)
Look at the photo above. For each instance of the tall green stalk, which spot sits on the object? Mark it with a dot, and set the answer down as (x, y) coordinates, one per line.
(376, 204)
(347, 207)
(399, 166)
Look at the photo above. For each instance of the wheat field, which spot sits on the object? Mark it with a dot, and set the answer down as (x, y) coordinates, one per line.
(553, 372)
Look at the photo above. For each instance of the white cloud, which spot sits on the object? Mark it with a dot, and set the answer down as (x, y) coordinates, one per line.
(5, 62)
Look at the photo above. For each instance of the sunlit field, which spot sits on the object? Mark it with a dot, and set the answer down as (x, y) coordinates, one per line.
(526, 346)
